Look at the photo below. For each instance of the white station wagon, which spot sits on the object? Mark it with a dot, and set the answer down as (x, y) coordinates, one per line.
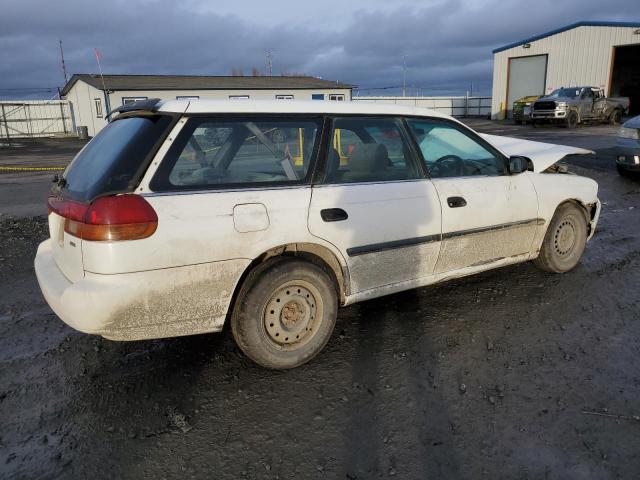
(179, 215)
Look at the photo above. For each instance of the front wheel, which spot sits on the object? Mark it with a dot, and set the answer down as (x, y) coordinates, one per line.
(564, 241)
(572, 119)
(285, 313)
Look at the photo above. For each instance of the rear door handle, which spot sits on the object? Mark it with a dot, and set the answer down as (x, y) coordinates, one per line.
(455, 202)
(333, 214)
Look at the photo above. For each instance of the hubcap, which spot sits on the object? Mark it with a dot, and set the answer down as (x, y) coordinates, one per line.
(291, 315)
(565, 237)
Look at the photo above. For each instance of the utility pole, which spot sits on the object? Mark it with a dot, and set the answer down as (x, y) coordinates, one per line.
(404, 75)
(268, 52)
(64, 68)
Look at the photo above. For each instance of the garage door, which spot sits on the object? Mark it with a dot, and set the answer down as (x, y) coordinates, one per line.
(625, 77)
(527, 76)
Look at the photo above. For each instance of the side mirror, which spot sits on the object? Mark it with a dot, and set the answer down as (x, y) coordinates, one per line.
(519, 165)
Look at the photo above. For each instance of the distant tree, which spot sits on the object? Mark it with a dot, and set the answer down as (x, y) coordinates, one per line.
(237, 72)
(287, 73)
(255, 72)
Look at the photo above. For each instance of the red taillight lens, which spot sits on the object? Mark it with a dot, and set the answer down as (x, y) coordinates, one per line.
(114, 218)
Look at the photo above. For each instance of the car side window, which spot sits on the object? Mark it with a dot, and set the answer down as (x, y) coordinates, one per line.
(211, 153)
(450, 152)
(368, 149)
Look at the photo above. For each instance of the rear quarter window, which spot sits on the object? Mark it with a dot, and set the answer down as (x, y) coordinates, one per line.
(112, 161)
(223, 152)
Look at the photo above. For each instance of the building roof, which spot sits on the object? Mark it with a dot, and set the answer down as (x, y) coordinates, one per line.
(198, 82)
(568, 27)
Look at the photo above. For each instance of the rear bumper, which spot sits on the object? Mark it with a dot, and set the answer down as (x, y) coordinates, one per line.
(142, 305)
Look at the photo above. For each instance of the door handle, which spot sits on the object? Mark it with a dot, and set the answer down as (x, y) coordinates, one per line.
(333, 214)
(455, 202)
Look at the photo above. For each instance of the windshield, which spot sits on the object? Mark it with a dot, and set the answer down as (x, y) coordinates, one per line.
(566, 92)
(111, 161)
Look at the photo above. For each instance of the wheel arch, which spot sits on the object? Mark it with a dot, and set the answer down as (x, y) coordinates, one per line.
(311, 252)
(588, 210)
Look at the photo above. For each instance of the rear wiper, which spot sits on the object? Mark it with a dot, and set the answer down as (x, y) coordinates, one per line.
(59, 181)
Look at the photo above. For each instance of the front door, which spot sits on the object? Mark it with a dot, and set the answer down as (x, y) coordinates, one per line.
(487, 214)
(375, 205)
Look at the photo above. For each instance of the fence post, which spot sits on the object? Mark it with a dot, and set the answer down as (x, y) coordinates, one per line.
(466, 103)
(6, 128)
(64, 122)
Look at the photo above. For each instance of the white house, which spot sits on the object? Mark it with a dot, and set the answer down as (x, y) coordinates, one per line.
(91, 97)
(598, 54)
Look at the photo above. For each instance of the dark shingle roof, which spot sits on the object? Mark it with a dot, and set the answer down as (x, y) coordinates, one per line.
(195, 82)
(565, 28)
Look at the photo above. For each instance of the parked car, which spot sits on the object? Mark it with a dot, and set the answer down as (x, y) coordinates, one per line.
(628, 147)
(180, 216)
(570, 106)
(522, 109)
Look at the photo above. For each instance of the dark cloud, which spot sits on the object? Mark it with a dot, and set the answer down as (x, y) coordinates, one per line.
(447, 43)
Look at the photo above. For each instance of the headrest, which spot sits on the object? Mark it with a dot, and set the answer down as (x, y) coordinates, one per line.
(369, 157)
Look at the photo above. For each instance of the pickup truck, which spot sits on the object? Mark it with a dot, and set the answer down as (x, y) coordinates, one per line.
(571, 106)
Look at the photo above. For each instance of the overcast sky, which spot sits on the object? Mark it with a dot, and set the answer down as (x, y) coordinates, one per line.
(447, 44)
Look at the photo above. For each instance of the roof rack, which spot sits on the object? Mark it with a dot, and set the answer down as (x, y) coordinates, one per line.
(148, 105)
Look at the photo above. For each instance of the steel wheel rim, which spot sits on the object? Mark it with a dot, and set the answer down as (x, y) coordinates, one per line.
(292, 315)
(565, 237)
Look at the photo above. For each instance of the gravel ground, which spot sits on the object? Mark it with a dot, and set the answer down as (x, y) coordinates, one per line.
(514, 373)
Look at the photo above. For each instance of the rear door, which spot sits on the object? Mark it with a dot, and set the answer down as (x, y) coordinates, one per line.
(487, 214)
(375, 205)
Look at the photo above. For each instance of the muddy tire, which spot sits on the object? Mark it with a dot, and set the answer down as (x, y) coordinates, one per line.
(564, 241)
(285, 313)
(571, 120)
(616, 117)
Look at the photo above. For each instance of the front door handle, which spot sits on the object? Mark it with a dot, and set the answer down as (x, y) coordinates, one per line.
(333, 214)
(455, 202)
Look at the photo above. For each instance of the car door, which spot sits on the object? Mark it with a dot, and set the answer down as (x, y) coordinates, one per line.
(586, 103)
(487, 214)
(375, 205)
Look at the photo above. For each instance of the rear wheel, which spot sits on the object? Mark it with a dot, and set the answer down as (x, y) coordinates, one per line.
(616, 117)
(285, 313)
(564, 241)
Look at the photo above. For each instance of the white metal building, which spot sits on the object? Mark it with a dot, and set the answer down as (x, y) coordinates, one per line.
(91, 100)
(599, 54)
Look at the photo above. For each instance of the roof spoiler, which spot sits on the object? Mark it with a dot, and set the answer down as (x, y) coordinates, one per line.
(148, 105)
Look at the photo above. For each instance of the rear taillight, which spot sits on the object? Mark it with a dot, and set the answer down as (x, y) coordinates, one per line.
(114, 218)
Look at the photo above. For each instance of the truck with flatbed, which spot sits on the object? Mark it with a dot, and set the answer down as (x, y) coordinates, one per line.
(570, 106)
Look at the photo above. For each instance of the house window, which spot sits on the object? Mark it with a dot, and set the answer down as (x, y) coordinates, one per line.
(187, 97)
(98, 103)
(238, 97)
(128, 100)
(337, 97)
(317, 96)
(284, 97)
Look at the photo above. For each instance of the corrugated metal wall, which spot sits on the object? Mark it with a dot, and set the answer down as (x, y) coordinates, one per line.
(581, 56)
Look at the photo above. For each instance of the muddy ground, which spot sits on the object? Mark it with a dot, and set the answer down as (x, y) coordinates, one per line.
(514, 373)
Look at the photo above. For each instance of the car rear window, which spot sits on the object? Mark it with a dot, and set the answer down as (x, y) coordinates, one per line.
(112, 160)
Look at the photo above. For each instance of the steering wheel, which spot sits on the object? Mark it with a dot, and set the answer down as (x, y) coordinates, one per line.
(451, 164)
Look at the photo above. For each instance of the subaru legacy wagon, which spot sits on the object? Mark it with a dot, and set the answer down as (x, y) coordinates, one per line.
(181, 216)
